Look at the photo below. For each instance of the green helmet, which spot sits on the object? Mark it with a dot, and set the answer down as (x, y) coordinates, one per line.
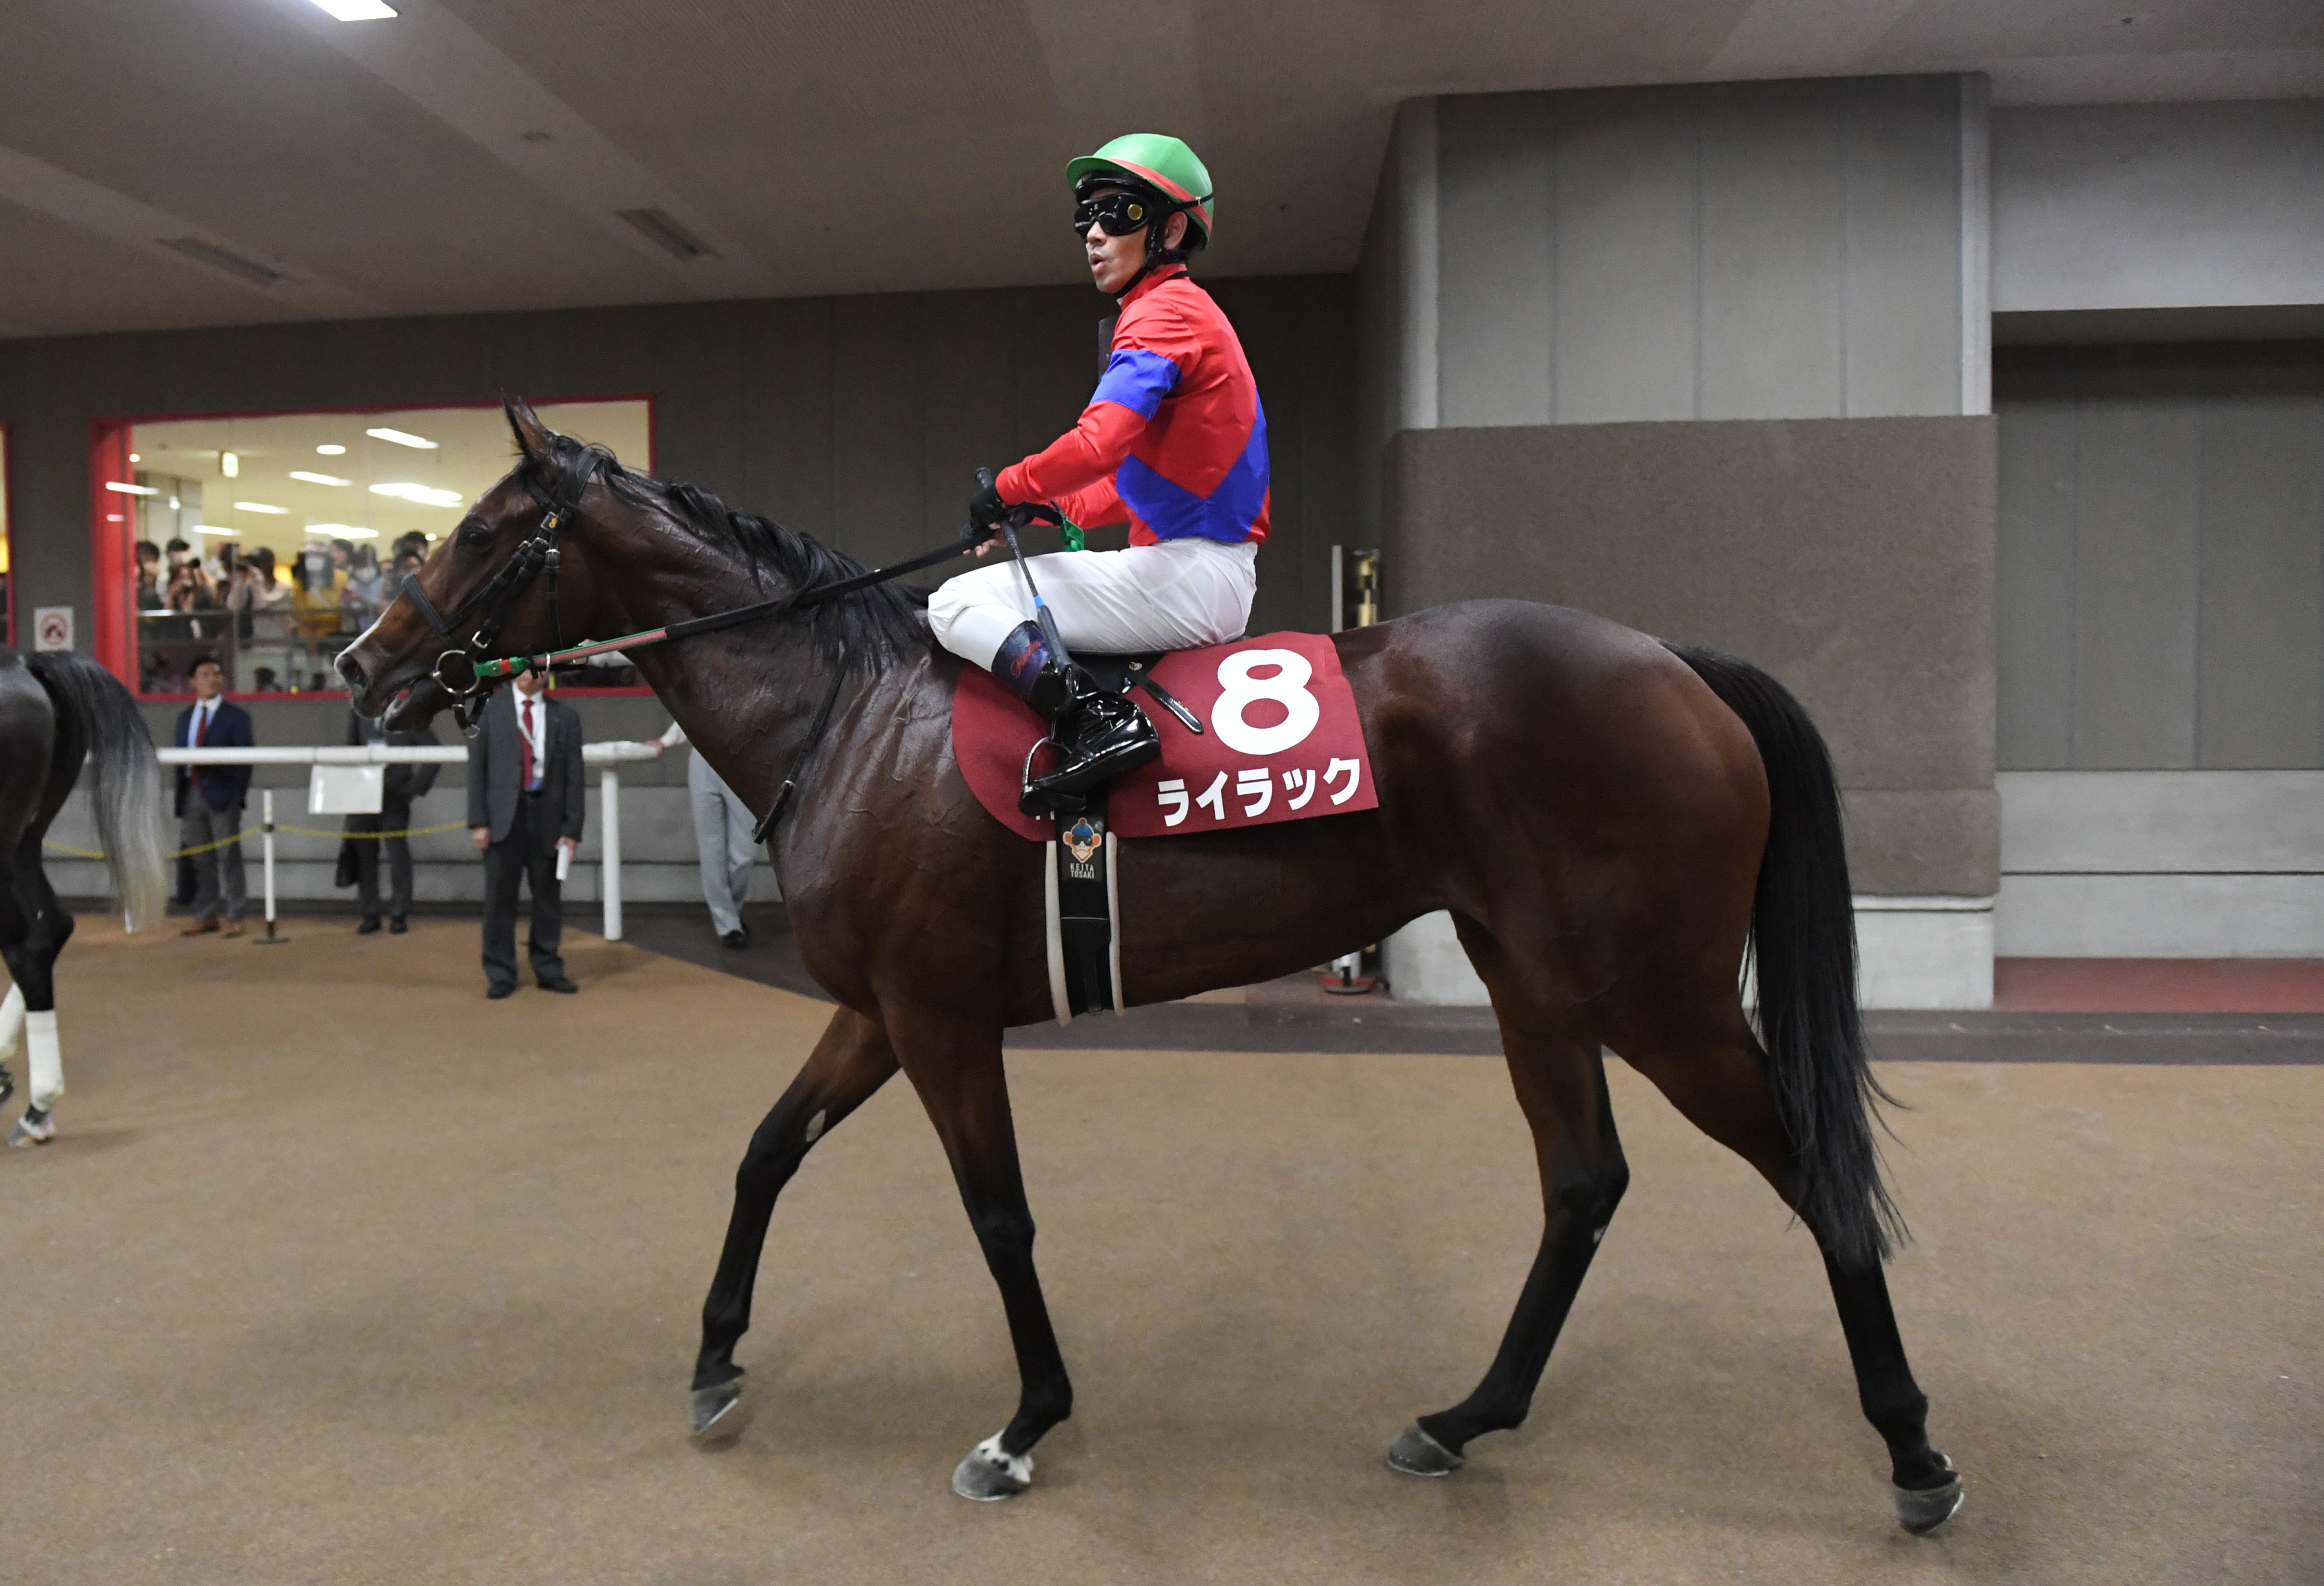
(1155, 160)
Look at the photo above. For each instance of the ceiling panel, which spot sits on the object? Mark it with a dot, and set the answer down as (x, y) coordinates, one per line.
(58, 277)
(865, 146)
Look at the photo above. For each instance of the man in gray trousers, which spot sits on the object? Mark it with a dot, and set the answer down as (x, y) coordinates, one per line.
(723, 824)
(525, 802)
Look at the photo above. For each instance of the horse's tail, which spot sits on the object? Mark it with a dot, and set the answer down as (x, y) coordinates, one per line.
(127, 774)
(1804, 944)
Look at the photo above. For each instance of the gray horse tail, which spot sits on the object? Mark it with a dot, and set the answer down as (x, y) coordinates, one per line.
(126, 773)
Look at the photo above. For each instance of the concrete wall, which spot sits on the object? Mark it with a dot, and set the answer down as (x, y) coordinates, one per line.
(1790, 250)
(2161, 864)
(1852, 558)
(2162, 557)
(2120, 206)
(858, 419)
(1711, 360)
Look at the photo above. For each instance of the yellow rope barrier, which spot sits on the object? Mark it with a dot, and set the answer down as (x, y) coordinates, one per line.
(299, 830)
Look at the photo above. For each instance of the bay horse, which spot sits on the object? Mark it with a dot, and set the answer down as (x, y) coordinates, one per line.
(59, 710)
(1612, 822)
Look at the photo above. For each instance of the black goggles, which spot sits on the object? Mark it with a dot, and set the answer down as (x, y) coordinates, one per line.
(1119, 214)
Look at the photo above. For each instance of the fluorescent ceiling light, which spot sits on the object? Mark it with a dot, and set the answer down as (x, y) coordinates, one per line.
(317, 478)
(331, 451)
(131, 489)
(133, 457)
(206, 529)
(260, 506)
(341, 531)
(230, 465)
(357, 10)
(401, 438)
(426, 495)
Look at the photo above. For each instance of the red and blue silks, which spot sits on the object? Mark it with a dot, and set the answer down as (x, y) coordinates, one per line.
(1175, 440)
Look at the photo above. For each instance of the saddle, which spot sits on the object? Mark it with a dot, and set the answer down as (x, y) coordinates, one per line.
(1268, 732)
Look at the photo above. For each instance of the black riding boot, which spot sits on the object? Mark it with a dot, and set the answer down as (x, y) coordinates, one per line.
(1099, 733)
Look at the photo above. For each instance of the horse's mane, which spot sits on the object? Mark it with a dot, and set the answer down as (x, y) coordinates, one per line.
(874, 626)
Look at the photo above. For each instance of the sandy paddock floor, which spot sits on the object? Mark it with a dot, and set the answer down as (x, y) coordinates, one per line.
(339, 1273)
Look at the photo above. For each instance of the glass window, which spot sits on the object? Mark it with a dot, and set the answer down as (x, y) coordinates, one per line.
(271, 540)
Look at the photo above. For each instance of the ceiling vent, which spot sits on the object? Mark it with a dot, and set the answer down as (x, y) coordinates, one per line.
(217, 258)
(666, 234)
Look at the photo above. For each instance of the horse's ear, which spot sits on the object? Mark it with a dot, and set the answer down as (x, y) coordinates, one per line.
(531, 434)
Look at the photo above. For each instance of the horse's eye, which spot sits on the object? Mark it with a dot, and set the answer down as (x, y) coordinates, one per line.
(474, 536)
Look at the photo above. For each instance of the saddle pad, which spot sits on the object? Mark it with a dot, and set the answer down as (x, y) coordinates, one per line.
(1281, 742)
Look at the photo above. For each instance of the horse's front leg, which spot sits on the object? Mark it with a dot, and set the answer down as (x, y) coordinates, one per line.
(852, 1061)
(955, 1066)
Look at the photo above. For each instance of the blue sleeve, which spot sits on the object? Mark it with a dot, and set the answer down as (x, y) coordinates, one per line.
(1137, 380)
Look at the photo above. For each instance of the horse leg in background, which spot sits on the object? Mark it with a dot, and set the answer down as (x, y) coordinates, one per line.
(850, 1061)
(1722, 1086)
(37, 928)
(959, 1074)
(12, 1032)
(1560, 1083)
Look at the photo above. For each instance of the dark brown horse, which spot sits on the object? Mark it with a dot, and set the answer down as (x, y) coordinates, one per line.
(1608, 821)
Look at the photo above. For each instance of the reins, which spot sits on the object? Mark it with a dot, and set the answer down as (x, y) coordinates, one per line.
(470, 678)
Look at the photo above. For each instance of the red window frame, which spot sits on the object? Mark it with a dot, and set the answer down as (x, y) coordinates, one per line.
(15, 575)
(112, 558)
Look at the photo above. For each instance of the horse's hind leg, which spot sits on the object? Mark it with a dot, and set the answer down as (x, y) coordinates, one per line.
(1720, 1084)
(852, 1061)
(1561, 1085)
(35, 928)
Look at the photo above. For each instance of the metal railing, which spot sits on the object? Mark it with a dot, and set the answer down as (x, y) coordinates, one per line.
(607, 755)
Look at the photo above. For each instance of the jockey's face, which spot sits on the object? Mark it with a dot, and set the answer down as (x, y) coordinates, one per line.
(1114, 259)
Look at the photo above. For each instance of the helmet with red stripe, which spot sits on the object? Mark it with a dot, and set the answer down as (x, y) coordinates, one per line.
(1157, 164)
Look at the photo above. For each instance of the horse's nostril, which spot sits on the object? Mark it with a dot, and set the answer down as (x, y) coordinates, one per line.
(352, 670)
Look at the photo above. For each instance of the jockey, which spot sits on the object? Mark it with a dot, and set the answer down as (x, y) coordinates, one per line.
(1173, 442)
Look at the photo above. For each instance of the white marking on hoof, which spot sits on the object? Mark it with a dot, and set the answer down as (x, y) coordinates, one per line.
(1415, 1454)
(718, 1413)
(815, 1126)
(989, 1475)
(1922, 1510)
(34, 1128)
(43, 1058)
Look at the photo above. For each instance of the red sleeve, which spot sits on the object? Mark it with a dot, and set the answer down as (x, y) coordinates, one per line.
(1082, 457)
(1153, 346)
(1096, 506)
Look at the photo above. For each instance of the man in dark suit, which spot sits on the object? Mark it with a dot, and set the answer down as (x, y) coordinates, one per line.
(525, 794)
(210, 802)
(402, 784)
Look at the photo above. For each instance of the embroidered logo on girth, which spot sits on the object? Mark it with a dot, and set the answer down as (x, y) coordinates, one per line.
(1083, 840)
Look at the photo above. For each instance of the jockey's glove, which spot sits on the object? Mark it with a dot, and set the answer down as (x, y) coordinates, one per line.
(985, 511)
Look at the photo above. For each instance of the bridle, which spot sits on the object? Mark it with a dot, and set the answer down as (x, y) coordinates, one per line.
(457, 669)
(466, 673)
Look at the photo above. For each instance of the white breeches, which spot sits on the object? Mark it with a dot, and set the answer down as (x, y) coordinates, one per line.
(1174, 595)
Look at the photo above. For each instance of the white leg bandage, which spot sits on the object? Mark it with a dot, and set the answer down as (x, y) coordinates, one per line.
(12, 1021)
(48, 1058)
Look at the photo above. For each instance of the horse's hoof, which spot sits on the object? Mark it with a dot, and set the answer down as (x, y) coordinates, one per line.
(34, 1128)
(1415, 1454)
(1922, 1510)
(988, 1475)
(718, 1413)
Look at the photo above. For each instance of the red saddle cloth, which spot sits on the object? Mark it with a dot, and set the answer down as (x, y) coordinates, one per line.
(1281, 742)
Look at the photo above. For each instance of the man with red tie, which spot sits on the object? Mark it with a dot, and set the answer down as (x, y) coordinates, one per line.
(210, 802)
(525, 802)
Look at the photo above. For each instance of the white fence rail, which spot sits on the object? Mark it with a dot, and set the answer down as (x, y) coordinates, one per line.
(605, 755)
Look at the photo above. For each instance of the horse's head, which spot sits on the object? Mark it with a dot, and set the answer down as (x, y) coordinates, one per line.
(483, 592)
